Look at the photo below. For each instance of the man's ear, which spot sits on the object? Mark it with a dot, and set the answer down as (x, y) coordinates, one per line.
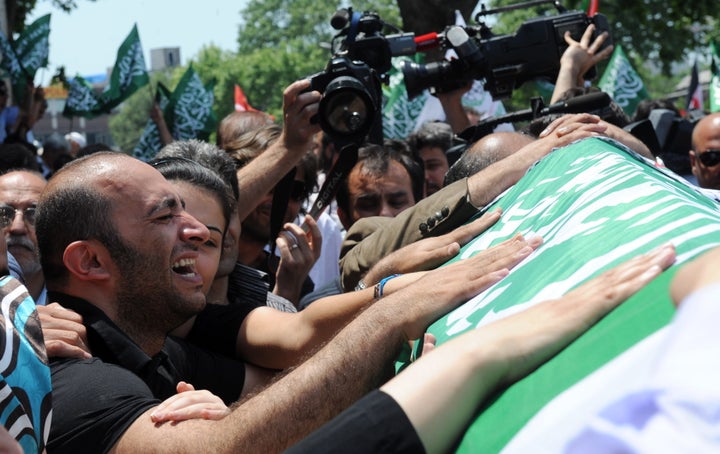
(87, 260)
(693, 163)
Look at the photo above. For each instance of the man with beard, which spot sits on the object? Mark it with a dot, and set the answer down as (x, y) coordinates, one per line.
(118, 247)
(19, 193)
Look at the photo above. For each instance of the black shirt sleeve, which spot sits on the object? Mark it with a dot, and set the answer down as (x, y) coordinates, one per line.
(93, 405)
(375, 423)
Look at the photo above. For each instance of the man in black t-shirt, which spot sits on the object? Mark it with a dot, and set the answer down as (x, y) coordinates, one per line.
(118, 247)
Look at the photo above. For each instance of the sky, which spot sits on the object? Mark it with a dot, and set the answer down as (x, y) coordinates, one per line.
(86, 40)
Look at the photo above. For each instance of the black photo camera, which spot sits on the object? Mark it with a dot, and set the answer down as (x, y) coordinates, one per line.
(351, 99)
(351, 82)
(505, 62)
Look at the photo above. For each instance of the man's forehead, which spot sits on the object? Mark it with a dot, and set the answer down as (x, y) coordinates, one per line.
(145, 189)
(22, 179)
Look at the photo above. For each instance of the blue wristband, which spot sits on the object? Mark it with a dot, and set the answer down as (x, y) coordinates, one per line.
(378, 293)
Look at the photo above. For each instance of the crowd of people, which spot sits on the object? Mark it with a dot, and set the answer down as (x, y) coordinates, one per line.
(163, 313)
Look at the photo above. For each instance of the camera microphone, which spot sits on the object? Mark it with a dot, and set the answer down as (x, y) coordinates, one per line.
(340, 19)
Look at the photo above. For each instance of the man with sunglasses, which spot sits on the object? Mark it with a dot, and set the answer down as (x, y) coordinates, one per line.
(19, 193)
(705, 153)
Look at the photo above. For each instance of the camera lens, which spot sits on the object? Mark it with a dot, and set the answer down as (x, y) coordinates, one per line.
(347, 107)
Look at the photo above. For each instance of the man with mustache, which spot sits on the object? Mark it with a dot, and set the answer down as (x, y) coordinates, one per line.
(19, 193)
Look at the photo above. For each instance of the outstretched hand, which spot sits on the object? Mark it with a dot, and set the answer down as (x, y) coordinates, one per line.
(429, 253)
(189, 404)
(442, 289)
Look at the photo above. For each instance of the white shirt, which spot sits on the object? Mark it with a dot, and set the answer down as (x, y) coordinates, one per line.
(677, 408)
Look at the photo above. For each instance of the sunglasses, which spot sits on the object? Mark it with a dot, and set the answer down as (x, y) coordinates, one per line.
(8, 213)
(710, 158)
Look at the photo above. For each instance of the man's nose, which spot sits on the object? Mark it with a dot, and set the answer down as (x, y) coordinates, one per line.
(194, 231)
(18, 224)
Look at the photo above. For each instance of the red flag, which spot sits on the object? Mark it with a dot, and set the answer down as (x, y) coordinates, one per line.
(593, 7)
(695, 95)
(241, 102)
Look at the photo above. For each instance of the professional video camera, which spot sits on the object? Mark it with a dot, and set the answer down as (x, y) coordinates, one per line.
(352, 97)
(504, 62)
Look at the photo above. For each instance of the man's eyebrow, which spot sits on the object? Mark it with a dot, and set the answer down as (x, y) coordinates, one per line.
(216, 229)
(167, 202)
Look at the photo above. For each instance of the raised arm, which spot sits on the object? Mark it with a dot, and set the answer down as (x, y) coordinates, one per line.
(577, 59)
(356, 361)
(439, 405)
(258, 177)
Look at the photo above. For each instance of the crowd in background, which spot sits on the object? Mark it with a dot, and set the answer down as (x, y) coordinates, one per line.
(165, 294)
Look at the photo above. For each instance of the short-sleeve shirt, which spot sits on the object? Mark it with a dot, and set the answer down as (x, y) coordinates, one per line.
(95, 400)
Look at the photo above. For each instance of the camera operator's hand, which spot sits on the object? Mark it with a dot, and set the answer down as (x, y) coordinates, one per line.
(262, 174)
(578, 58)
(299, 106)
(451, 102)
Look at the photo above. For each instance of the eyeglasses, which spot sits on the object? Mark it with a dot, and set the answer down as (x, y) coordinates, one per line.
(8, 213)
(710, 158)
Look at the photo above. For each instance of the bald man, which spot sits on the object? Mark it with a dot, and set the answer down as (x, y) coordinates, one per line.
(705, 153)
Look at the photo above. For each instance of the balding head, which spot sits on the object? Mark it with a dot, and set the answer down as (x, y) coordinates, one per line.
(79, 203)
(115, 233)
(486, 151)
(705, 153)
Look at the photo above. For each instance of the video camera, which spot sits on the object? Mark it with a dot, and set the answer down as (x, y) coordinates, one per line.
(350, 83)
(504, 62)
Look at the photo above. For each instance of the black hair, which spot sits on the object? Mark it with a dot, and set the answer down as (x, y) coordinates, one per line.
(375, 160)
(207, 155)
(183, 169)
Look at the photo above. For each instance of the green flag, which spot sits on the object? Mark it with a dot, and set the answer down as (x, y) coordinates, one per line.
(128, 74)
(81, 100)
(400, 114)
(596, 205)
(150, 142)
(192, 116)
(10, 64)
(622, 82)
(12, 67)
(29, 52)
(32, 46)
(187, 111)
(715, 78)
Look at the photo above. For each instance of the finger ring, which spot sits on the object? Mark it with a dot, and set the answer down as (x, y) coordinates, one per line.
(293, 247)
